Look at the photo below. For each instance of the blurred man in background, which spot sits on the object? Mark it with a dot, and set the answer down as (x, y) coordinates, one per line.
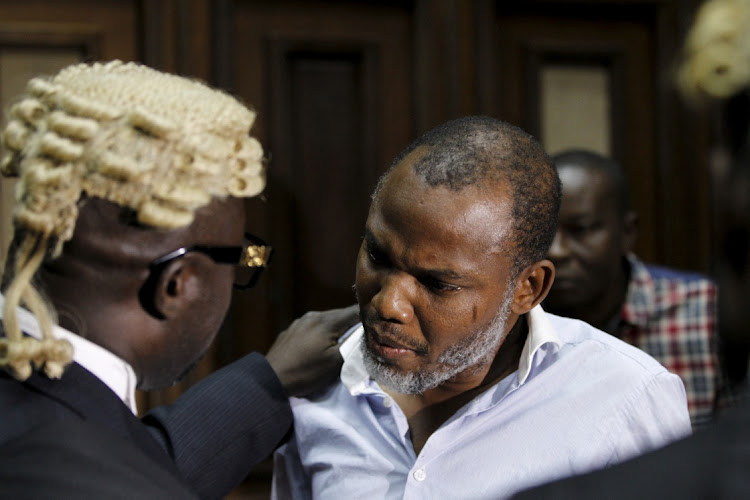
(128, 236)
(712, 463)
(669, 314)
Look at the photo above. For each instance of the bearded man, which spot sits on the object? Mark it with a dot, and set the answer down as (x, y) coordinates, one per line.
(457, 384)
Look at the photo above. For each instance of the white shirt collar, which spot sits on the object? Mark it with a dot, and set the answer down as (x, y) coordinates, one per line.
(113, 371)
(540, 332)
(355, 378)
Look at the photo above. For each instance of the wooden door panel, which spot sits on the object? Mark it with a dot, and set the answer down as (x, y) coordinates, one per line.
(105, 29)
(633, 42)
(332, 87)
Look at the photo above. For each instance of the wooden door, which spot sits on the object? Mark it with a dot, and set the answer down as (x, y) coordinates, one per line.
(646, 128)
(332, 88)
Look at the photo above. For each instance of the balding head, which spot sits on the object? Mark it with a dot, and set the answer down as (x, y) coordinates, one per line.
(478, 150)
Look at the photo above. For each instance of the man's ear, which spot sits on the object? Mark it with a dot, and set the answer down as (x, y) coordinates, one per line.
(166, 294)
(532, 286)
(629, 231)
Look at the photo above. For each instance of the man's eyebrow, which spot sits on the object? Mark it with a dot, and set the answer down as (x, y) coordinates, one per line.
(370, 238)
(441, 274)
(420, 272)
(582, 215)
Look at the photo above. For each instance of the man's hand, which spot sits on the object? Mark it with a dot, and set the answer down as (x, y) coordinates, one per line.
(306, 356)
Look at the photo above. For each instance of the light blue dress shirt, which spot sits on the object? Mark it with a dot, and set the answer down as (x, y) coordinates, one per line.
(580, 400)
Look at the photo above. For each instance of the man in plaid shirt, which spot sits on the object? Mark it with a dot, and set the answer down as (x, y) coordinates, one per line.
(667, 313)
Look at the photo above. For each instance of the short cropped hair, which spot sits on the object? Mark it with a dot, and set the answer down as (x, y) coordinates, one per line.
(158, 144)
(584, 158)
(474, 150)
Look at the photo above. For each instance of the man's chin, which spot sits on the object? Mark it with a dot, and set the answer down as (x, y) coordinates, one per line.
(378, 362)
(560, 304)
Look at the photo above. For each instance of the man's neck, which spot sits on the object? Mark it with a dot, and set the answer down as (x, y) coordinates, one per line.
(426, 412)
(603, 312)
(604, 315)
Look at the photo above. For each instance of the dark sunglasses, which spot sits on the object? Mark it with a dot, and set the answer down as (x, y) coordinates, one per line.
(249, 261)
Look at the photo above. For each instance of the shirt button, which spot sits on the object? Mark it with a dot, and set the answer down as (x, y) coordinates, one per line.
(387, 402)
(420, 475)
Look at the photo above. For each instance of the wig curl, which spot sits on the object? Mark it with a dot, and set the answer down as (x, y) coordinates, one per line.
(716, 55)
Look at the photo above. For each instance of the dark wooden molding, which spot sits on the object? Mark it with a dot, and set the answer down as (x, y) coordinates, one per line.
(85, 38)
(175, 36)
(445, 60)
(222, 46)
(486, 55)
(294, 134)
(154, 26)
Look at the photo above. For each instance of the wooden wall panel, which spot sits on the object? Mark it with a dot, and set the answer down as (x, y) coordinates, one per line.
(527, 42)
(106, 29)
(324, 111)
(177, 36)
(332, 88)
(446, 74)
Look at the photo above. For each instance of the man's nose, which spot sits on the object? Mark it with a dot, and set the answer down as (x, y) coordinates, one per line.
(559, 248)
(393, 300)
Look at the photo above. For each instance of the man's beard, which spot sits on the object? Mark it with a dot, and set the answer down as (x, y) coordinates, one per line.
(477, 351)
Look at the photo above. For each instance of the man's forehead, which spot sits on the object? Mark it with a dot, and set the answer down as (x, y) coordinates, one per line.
(405, 168)
(583, 186)
(475, 217)
(583, 174)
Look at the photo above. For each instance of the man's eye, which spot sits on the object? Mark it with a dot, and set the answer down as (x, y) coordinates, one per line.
(583, 228)
(377, 257)
(439, 286)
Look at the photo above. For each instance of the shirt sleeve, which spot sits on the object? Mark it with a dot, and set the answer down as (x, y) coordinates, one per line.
(289, 478)
(657, 415)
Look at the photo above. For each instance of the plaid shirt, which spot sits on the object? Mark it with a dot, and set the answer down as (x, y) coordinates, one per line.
(672, 316)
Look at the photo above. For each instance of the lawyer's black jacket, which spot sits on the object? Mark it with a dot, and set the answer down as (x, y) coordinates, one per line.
(209, 439)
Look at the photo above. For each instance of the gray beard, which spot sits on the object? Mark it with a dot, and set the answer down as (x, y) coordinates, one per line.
(476, 351)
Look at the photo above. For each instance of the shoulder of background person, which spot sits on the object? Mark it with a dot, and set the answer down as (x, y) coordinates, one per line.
(663, 272)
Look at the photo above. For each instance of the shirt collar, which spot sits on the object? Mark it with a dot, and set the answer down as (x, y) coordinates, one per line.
(355, 378)
(541, 332)
(113, 371)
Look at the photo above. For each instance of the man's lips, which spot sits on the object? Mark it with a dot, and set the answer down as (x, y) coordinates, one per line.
(390, 343)
(387, 352)
(565, 282)
(389, 348)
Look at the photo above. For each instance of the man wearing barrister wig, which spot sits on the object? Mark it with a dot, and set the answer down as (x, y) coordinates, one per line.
(128, 235)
